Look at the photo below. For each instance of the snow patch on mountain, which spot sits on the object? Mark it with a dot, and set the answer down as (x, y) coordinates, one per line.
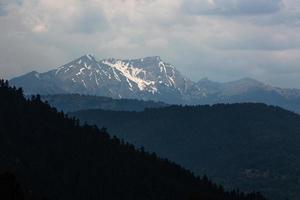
(133, 74)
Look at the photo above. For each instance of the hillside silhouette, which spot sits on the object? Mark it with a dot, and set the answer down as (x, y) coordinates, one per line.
(55, 157)
(252, 146)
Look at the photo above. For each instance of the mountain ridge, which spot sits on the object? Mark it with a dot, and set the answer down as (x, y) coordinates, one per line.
(252, 145)
(150, 78)
(76, 102)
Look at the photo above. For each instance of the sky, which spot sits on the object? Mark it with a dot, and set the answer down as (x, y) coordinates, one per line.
(223, 40)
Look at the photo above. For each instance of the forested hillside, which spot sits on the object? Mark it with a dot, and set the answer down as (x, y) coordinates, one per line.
(253, 146)
(75, 102)
(10, 189)
(55, 157)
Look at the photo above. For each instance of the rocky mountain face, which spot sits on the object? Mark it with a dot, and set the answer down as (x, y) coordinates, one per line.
(149, 78)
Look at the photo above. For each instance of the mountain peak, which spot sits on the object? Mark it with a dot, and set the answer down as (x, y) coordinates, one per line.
(33, 74)
(87, 57)
(204, 80)
(153, 58)
(249, 80)
(150, 60)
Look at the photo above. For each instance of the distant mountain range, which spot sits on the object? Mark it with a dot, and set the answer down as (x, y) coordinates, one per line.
(149, 78)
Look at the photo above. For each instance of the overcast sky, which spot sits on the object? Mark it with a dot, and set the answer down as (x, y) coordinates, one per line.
(220, 39)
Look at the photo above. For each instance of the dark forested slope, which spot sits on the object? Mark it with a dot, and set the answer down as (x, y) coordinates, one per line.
(10, 189)
(254, 146)
(55, 157)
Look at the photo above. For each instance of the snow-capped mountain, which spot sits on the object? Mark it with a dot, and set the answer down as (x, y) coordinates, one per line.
(146, 78)
(149, 78)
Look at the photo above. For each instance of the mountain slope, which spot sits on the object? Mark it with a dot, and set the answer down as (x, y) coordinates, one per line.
(55, 157)
(149, 78)
(248, 90)
(251, 145)
(10, 189)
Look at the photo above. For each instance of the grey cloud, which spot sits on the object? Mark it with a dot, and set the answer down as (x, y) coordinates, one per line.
(221, 39)
(232, 65)
(90, 21)
(287, 18)
(265, 42)
(259, 6)
(3, 11)
(231, 7)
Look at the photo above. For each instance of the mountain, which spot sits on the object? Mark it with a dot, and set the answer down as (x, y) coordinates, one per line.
(57, 158)
(253, 146)
(76, 102)
(248, 90)
(149, 79)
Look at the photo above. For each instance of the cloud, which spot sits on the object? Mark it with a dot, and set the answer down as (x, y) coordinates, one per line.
(2, 9)
(90, 21)
(39, 28)
(232, 7)
(157, 43)
(220, 39)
